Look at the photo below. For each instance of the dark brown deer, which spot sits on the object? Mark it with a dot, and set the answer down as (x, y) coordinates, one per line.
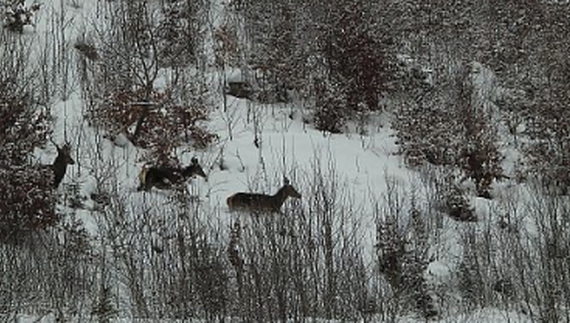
(261, 202)
(59, 166)
(167, 177)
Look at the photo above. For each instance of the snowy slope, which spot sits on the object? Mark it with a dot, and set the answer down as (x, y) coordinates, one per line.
(288, 147)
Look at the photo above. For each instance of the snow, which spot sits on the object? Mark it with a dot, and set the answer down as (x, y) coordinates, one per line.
(287, 147)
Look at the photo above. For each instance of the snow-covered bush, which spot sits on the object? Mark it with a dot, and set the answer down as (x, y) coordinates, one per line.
(454, 203)
(153, 121)
(24, 126)
(447, 128)
(274, 54)
(17, 16)
(27, 199)
(178, 31)
(536, 73)
(359, 63)
(427, 131)
(548, 154)
(357, 58)
(329, 112)
(402, 251)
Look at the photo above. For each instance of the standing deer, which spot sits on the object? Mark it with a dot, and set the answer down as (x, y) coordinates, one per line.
(167, 177)
(59, 166)
(262, 202)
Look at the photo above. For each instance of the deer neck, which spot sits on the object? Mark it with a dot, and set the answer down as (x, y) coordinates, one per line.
(60, 163)
(280, 197)
(188, 171)
(59, 167)
(193, 170)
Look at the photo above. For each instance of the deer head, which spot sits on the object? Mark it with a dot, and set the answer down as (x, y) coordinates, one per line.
(194, 169)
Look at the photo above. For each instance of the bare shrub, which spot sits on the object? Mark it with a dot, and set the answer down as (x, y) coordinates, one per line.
(52, 272)
(303, 263)
(165, 257)
(162, 124)
(473, 281)
(133, 47)
(545, 261)
(402, 253)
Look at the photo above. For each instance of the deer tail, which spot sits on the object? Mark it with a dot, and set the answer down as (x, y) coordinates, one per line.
(142, 176)
(230, 201)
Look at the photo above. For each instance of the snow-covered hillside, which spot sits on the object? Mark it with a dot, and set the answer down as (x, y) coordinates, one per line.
(368, 241)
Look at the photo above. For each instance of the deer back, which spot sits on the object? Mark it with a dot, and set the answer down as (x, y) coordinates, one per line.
(166, 177)
(160, 177)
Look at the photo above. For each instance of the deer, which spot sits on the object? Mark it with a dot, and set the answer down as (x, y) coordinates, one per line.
(167, 177)
(59, 166)
(262, 202)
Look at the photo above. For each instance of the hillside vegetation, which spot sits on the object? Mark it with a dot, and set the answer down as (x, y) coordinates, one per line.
(426, 145)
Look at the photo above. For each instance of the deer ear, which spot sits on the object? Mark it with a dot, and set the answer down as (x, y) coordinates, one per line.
(285, 180)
